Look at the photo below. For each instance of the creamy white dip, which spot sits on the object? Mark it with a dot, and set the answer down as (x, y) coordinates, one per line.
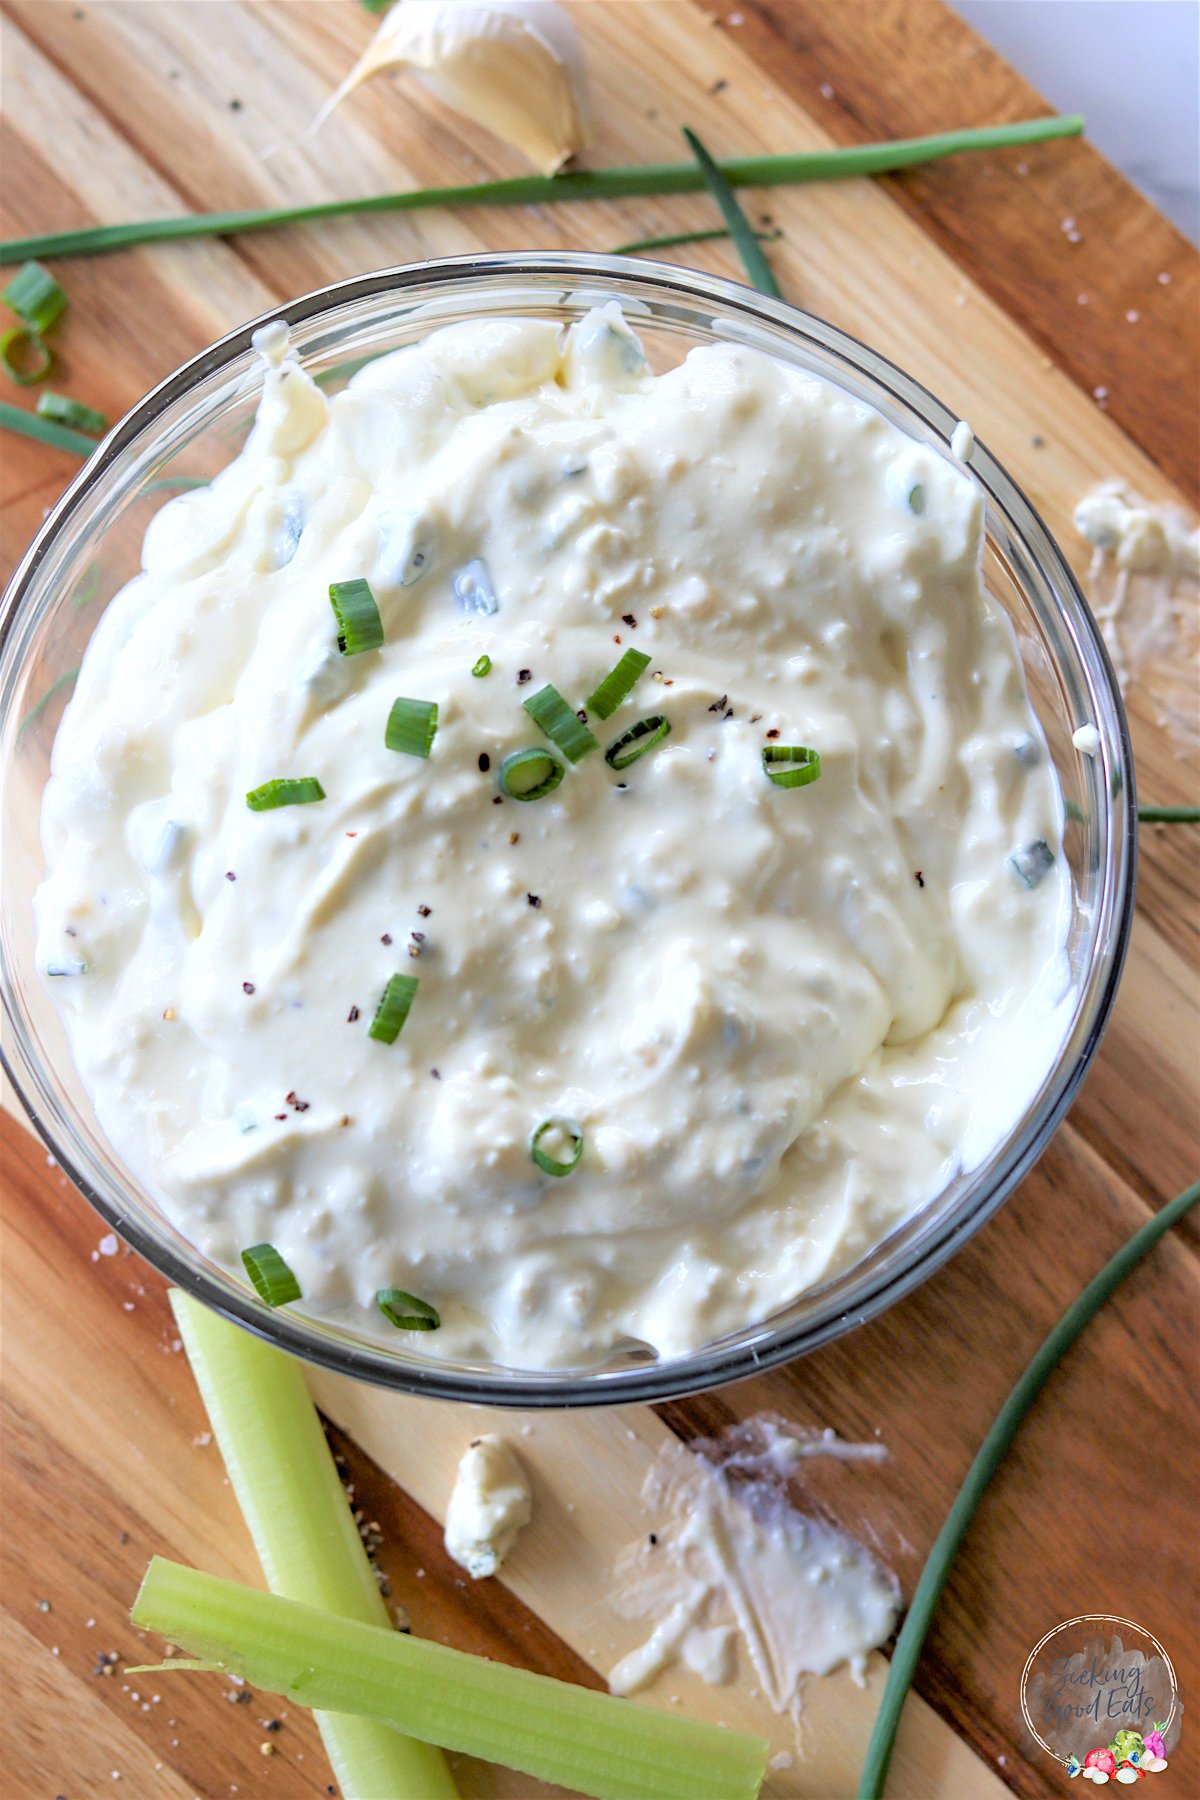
(781, 1018)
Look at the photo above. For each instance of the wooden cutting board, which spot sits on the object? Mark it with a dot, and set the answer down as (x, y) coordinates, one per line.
(965, 274)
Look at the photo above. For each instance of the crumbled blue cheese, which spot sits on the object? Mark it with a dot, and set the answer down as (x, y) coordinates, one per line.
(489, 1505)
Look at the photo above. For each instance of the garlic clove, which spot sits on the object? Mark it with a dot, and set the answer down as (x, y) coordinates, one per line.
(514, 66)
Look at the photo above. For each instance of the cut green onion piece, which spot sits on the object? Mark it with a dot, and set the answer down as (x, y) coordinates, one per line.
(273, 1280)
(567, 1128)
(71, 412)
(548, 709)
(916, 498)
(35, 296)
(282, 1473)
(636, 741)
(359, 624)
(59, 437)
(300, 790)
(24, 356)
(988, 1458)
(482, 667)
(800, 764)
(406, 1312)
(1033, 862)
(412, 727)
(1169, 815)
(605, 699)
(530, 774)
(590, 1743)
(748, 247)
(393, 1009)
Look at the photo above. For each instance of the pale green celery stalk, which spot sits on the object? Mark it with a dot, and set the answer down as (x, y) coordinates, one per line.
(585, 1740)
(307, 1542)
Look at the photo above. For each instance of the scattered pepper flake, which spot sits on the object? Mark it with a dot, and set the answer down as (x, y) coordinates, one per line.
(485, 762)
(616, 637)
(247, 987)
(229, 875)
(773, 733)
(534, 899)
(424, 911)
(414, 949)
(524, 675)
(417, 936)
(168, 1013)
(436, 1073)
(920, 878)
(628, 619)
(719, 705)
(386, 938)
(352, 1015)
(497, 799)
(514, 837)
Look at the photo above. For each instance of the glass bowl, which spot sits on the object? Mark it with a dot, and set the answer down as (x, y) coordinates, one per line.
(192, 424)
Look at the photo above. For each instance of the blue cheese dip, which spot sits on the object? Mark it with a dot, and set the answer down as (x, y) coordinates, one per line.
(776, 1018)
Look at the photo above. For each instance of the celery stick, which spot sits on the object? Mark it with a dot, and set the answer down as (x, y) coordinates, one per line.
(293, 1502)
(591, 1742)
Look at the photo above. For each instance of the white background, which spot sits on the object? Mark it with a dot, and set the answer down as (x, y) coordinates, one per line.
(1131, 66)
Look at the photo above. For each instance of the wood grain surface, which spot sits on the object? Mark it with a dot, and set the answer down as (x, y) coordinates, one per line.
(963, 274)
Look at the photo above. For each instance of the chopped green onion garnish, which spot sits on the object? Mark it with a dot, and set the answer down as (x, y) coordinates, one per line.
(35, 296)
(70, 412)
(301, 790)
(802, 765)
(359, 624)
(482, 667)
(530, 774)
(563, 1128)
(412, 727)
(24, 355)
(636, 741)
(273, 1280)
(916, 498)
(1166, 815)
(393, 1009)
(605, 699)
(406, 1312)
(548, 709)
(1033, 862)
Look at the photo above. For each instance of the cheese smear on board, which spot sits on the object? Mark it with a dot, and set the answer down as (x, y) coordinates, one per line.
(779, 1018)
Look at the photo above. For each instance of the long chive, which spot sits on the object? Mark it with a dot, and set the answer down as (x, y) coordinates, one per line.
(43, 431)
(406, 1312)
(411, 727)
(1169, 815)
(24, 357)
(71, 412)
(674, 238)
(549, 710)
(359, 624)
(35, 296)
(273, 1281)
(619, 682)
(291, 1496)
(582, 184)
(637, 741)
(530, 774)
(987, 1461)
(285, 790)
(748, 247)
(393, 1009)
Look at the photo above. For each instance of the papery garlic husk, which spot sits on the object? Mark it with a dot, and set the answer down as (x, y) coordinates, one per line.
(514, 66)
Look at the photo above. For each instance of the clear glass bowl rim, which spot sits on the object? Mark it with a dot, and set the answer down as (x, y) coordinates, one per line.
(721, 1363)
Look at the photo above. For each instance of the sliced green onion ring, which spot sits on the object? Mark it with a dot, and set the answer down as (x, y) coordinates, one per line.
(605, 699)
(548, 709)
(801, 765)
(71, 412)
(35, 296)
(273, 1280)
(359, 624)
(482, 667)
(393, 1009)
(406, 1312)
(286, 790)
(637, 741)
(412, 727)
(530, 774)
(550, 1165)
(24, 356)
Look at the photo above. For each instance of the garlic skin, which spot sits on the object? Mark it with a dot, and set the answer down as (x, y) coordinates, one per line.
(514, 66)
